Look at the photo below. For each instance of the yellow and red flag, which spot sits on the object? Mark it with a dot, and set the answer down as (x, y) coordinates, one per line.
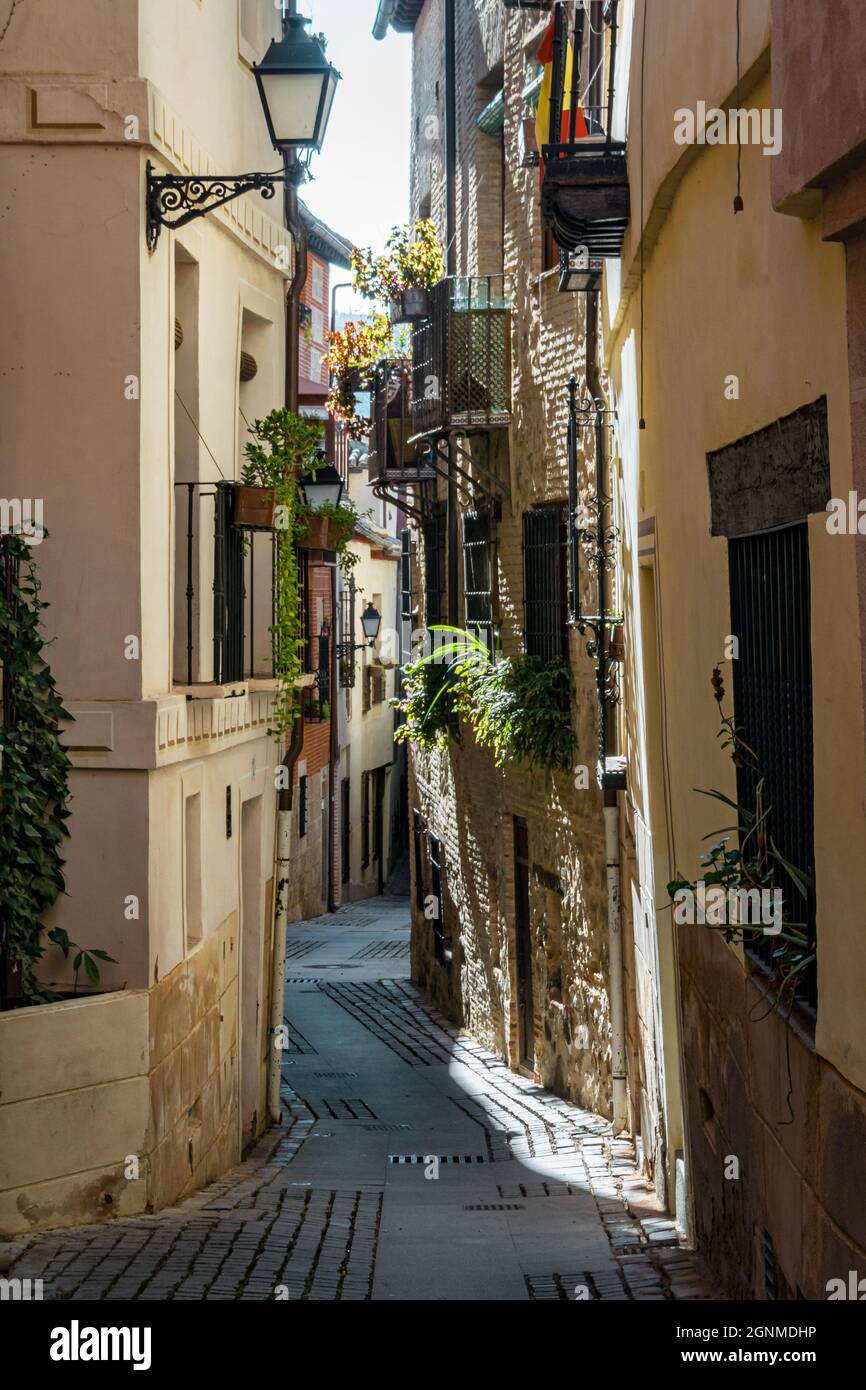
(542, 118)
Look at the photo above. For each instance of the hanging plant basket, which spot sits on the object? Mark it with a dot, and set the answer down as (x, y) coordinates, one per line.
(319, 534)
(411, 304)
(255, 508)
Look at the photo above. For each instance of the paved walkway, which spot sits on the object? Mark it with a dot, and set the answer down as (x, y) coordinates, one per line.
(413, 1165)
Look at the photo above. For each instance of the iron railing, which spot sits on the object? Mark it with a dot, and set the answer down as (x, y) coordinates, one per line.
(229, 638)
(393, 458)
(585, 192)
(461, 356)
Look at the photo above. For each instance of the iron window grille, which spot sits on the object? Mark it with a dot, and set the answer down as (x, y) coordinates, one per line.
(478, 577)
(376, 679)
(347, 636)
(406, 601)
(302, 807)
(436, 866)
(323, 668)
(545, 587)
(772, 676)
(434, 532)
(418, 839)
(242, 606)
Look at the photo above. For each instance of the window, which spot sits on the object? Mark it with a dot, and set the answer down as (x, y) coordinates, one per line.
(477, 582)
(315, 366)
(418, 838)
(544, 582)
(347, 636)
(771, 617)
(192, 869)
(318, 282)
(365, 819)
(345, 830)
(376, 686)
(433, 531)
(436, 860)
(302, 807)
(406, 575)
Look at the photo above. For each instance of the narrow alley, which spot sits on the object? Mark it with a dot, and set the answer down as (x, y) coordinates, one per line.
(412, 1164)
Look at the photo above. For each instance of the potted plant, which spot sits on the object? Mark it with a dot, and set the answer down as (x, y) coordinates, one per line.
(413, 262)
(326, 528)
(352, 355)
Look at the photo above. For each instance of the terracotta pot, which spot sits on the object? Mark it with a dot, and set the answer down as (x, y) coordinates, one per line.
(318, 535)
(411, 304)
(255, 507)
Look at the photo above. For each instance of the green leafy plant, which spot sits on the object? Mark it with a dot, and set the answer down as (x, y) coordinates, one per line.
(283, 447)
(518, 707)
(83, 957)
(414, 258)
(342, 520)
(353, 352)
(753, 863)
(34, 772)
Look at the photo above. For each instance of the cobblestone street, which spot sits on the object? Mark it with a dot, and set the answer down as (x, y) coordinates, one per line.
(412, 1164)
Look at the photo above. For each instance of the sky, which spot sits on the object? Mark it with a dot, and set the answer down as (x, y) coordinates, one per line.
(361, 179)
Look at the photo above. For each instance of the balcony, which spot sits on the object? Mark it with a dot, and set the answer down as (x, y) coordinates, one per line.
(461, 358)
(584, 193)
(223, 594)
(393, 459)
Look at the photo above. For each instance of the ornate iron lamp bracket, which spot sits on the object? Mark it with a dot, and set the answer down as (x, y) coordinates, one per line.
(175, 199)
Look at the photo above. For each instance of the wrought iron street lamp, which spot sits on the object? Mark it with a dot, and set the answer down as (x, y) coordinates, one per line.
(322, 487)
(296, 85)
(371, 621)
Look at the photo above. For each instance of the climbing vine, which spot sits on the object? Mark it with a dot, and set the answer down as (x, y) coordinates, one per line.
(34, 772)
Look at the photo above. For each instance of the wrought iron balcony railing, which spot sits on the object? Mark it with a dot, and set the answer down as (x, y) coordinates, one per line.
(585, 193)
(393, 459)
(227, 637)
(461, 357)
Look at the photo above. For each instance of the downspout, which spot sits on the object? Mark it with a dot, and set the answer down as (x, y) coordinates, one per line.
(451, 266)
(611, 798)
(282, 859)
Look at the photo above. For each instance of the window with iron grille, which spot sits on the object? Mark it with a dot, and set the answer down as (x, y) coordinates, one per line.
(365, 819)
(345, 830)
(406, 575)
(418, 838)
(434, 532)
(436, 865)
(545, 605)
(347, 636)
(302, 807)
(771, 617)
(477, 576)
(228, 590)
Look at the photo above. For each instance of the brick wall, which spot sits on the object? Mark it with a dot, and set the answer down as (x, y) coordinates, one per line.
(465, 801)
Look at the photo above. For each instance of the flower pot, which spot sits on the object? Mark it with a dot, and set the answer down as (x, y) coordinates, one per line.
(411, 304)
(318, 535)
(255, 508)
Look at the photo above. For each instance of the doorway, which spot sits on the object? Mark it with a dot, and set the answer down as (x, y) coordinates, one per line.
(525, 1007)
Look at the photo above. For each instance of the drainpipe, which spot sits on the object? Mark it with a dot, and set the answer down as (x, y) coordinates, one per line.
(611, 798)
(334, 745)
(383, 18)
(281, 908)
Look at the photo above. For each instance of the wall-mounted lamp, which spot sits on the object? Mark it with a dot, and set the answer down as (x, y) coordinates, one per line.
(578, 271)
(322, 486)
(297, 86)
